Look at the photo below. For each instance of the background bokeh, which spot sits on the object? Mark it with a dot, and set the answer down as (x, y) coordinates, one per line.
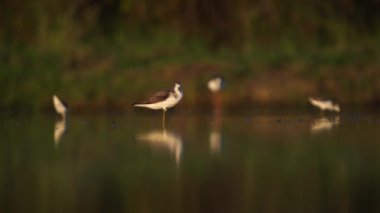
(107, 54)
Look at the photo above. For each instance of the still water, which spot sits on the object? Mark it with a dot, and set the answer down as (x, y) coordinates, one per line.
(208, 162)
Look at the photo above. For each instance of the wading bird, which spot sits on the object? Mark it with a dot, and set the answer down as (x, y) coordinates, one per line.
(163, 100)
(324, 104)
(60, 106)
(216, 83)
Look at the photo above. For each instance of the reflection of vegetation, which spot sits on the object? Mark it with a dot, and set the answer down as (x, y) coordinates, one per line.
(99, 167)
(90, 50)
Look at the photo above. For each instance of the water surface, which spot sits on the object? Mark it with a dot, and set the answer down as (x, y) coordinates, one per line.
(208, 162)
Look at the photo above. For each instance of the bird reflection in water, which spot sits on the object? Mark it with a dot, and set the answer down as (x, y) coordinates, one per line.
(59, 131)
(324, 124)
(215, 138)
(216, 84)
(60, 125)
(215, 141)
(164, 139)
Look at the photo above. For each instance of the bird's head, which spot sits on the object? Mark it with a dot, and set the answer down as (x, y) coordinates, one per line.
(178, 87)
(337, 108)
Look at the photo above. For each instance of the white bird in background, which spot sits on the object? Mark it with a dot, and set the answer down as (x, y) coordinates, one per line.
(163, 100)
(60, 106)
(324, 104)
(216, 83)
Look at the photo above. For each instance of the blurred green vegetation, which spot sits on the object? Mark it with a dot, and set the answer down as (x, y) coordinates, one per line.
(107, 54)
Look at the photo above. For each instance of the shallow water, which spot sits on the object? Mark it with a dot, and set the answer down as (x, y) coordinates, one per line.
(209, 162)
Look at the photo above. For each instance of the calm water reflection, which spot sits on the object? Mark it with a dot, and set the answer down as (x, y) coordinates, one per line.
(214, 162)
(59, 130)
(164, 138)
(324, 123)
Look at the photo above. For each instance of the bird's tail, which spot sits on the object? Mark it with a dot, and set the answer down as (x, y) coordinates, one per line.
(138, 104)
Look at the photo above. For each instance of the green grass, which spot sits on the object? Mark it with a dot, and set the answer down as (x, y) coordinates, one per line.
(113, 72)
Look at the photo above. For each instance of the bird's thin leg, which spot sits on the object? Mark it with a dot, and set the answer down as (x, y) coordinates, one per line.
(163, 118)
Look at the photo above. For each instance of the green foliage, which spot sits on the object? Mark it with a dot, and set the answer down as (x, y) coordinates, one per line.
(100, 52)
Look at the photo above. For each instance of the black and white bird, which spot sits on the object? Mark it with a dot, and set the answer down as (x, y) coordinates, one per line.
(216, 83)
(163, 100)
(60, 106)
(324, 104)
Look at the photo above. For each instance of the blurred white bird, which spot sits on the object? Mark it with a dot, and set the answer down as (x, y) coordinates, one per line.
(60, 106)
(216, 83)
(324, 104)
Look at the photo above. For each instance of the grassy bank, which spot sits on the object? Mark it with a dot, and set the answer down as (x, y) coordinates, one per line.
(105, 55)
(112, 73)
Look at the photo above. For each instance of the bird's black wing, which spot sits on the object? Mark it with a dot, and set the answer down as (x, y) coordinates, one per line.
(159, 96)
(64, 104)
